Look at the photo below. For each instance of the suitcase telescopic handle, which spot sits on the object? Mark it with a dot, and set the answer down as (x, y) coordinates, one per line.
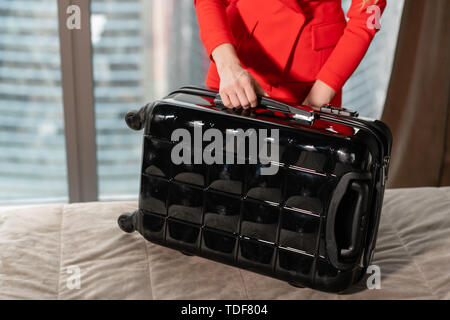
(302, 116)
(354, 182)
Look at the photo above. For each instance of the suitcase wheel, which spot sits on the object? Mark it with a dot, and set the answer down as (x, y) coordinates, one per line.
(296, 285)
(187, 253)
(134, 120)
(127, 222)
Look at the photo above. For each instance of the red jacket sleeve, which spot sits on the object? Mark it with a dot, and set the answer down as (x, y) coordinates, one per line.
(214, 27)
(351, 47)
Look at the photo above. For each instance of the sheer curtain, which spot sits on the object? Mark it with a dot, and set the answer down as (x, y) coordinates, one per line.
(418, 102)
(366, 90)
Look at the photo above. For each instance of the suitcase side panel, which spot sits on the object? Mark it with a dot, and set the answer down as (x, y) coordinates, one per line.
(226, 214)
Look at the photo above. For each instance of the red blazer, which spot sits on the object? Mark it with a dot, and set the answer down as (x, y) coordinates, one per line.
(288, 44)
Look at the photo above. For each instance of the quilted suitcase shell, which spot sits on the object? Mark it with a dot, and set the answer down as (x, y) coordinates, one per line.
(314, 223)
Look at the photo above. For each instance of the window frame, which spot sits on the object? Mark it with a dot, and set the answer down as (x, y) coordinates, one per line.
(78, 103)
(76, 50)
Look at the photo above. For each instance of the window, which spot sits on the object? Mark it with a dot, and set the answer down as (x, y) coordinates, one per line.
(32, 145)
(366, 90)
(141, 50)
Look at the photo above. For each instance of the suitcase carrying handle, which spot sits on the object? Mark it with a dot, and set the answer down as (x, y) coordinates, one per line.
(136, 118)
(357, 183)
(302, 116)
(361, 207)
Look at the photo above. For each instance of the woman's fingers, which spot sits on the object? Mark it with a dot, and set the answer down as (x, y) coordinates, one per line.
(251, 96)
(225, 99)
(230, 99)
(244, 96)
(249, 90)
(239, 89)
(244, 103)
(234, 100)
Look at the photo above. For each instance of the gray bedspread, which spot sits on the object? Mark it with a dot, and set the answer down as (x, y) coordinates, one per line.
(43, 248)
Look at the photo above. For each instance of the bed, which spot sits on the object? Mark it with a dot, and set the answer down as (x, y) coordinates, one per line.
(77, 251)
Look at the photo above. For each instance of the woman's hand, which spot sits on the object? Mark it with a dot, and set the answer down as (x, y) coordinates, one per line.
(237, 87)
(320, 94)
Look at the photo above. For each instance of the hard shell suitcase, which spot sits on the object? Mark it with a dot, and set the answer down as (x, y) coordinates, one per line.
(313, 223)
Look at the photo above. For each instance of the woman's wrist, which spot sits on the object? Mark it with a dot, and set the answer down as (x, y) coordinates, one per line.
(225, 57)
(320, 94)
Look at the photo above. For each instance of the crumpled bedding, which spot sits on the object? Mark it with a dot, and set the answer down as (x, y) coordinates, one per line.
(77, 251)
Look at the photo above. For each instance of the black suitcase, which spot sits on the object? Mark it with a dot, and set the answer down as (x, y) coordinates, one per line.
(314, 223)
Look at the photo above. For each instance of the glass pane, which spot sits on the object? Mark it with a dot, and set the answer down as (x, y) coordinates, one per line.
(142, 50)
(366, 90)
(32, 145)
